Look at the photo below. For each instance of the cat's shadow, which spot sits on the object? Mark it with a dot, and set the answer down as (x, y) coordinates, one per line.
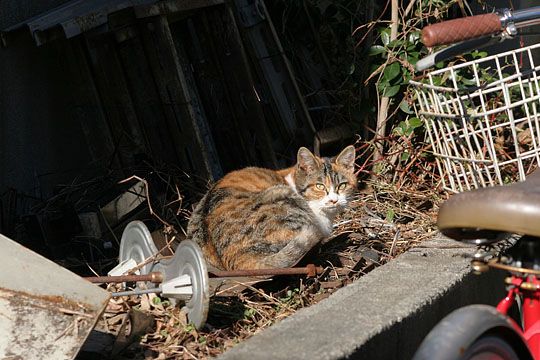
(327, 254)
(224, 311)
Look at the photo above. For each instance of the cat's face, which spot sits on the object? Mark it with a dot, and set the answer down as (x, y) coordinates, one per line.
(327, 184)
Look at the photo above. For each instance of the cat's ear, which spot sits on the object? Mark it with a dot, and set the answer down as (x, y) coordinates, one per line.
(346, 158)
(306, 160)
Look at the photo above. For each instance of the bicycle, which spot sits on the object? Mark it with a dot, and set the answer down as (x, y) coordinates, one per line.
(463, 125)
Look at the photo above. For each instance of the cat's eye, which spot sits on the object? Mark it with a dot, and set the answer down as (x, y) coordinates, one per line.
(320, 186)
(342, 186)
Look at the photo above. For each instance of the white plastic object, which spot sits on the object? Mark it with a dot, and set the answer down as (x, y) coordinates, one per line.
(123, 268)
(178, 288)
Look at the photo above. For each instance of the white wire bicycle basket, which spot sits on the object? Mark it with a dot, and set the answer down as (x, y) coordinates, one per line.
(483, 119)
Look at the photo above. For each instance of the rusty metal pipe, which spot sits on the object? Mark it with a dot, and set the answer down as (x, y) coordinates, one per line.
(135, 292)
(154, 277)
(310, 270)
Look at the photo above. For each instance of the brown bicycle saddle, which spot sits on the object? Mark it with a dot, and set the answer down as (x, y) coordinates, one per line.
(511, 208)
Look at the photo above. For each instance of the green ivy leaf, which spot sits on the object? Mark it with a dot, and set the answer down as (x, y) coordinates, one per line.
(415, 122)
(398, 130)
(405, 107)
(468, 82)
(406, 128)
(478, 54)
(413, 56)
(373, 68)
(392, 71)
(385, 36)
(402, 129)
(376, 50)
(405, 156)
(414, 36)
(390, 91)
(407, 76)
(437, 80)
(395, 43)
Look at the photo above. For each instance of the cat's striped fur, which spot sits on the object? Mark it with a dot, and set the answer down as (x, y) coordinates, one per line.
(260, 218)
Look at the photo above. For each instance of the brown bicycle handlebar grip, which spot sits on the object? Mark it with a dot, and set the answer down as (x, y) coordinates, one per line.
(453, 31)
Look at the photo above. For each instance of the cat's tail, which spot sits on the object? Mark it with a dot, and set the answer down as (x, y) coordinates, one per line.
(295, 249)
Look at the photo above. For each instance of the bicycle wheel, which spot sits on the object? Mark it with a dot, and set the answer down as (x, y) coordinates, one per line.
(474, 332)
(490, 347)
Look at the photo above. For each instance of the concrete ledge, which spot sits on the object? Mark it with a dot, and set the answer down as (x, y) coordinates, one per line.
(383, 315)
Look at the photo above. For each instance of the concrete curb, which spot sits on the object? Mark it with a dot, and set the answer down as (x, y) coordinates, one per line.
(383, 315)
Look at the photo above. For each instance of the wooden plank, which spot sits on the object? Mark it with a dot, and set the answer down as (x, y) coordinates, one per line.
(285, 109)
(85, 104)
(183, 112)
(253, 119)
(146, 99)
(223, 79)
(125, 203)
(116, 99)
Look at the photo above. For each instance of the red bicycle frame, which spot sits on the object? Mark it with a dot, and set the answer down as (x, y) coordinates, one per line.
(531, 310)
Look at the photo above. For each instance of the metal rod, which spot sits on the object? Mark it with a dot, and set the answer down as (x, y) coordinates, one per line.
(310, 270)
(526, 17)
(495, 264)
(155, 277)
(135, 292)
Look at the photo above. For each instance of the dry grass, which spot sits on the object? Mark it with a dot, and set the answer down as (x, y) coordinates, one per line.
(382, 223)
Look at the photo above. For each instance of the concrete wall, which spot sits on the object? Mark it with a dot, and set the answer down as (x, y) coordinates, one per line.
(402, 339)
(383, 315)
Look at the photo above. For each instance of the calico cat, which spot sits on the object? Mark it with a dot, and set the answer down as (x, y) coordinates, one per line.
(260, 218)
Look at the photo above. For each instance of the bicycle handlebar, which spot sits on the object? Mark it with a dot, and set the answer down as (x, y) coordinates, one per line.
(452, 31)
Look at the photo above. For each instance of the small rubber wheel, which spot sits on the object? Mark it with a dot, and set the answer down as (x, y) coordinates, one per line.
(490, 347)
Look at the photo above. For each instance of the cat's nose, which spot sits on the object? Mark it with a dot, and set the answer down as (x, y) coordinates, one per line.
(332, 199)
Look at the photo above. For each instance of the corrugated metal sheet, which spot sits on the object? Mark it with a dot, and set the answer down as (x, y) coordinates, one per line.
(75, 17)
(79, 16)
